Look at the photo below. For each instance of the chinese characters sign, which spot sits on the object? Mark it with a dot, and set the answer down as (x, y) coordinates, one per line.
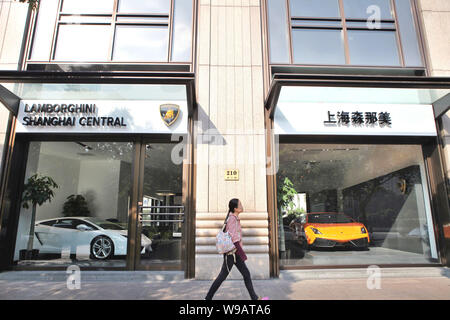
(358, 118)
(292, 118)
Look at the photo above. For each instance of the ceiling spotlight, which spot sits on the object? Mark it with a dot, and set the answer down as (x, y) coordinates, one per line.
(165, 193)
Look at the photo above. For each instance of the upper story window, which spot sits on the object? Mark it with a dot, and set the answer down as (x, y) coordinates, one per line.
(367, 33)
(102, 31)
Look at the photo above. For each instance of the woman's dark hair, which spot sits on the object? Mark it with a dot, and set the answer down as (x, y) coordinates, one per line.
(233, 204)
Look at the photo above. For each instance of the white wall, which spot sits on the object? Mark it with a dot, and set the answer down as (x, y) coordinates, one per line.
(99, 183)
(65, 172)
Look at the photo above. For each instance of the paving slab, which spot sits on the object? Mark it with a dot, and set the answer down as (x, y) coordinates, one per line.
(348, 284)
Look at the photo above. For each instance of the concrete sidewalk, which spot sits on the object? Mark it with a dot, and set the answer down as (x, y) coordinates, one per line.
(346, 284)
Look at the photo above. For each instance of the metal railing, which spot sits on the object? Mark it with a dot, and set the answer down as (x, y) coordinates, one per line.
(173, 214)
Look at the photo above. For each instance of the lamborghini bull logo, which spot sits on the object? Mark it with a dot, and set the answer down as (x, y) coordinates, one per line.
(169, 113)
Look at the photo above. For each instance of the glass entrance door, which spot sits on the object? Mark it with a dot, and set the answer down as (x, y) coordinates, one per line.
(160, 209)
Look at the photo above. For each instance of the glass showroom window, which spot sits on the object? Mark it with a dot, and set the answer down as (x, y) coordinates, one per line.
(343, 32)
(86, 219)
(353, 204)
(114, 31)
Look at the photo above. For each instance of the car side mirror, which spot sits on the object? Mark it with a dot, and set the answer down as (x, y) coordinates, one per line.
(83, 227)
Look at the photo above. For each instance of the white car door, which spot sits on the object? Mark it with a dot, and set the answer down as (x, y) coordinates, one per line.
(65, 235)
(82, 238)
(46, 238)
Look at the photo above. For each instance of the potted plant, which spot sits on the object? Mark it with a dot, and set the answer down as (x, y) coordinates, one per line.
(285, 196)
(76, 205)
(37, 191)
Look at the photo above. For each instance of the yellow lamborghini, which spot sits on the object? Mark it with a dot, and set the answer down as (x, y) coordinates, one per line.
(331, 229)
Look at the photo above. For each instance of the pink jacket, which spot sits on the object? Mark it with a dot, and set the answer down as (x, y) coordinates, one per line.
(234, 228)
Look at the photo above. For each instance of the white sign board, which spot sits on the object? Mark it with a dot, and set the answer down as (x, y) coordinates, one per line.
(354, 119)
(94, 116)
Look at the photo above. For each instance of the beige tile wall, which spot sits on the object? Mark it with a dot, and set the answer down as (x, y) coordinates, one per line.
(436, 24)
(13, 15)
(231, 133)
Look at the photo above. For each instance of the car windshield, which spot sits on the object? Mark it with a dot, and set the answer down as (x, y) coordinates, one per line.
(329, 218)
(105, 224)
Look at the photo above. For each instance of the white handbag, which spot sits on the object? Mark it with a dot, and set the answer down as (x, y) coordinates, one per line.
(224, 243)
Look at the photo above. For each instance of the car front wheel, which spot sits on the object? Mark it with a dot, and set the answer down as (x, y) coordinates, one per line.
(305, 245)
(102, 248)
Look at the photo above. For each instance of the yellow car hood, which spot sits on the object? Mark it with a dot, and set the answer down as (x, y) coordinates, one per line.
(338, 229)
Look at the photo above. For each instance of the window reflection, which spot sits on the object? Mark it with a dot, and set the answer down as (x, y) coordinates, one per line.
(141, 32)
(315, 8)
(83, 42)
(363, 9)
(88, 6)
(316, 24)
(278, 32)
(162, 187)
(182, 31)
(377, 48)
(139, 6)
(44, 27)
(318, 46)
(408, 34)
(141, 43)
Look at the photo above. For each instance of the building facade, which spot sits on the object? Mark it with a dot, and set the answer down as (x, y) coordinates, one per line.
(129, 125)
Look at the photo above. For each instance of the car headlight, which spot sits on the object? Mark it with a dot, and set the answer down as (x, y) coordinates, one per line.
(363, 230)
(316, 231)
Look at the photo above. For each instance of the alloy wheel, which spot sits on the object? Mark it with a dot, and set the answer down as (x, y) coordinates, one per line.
(102, 248)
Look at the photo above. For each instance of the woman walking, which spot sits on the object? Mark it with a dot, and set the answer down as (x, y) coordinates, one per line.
(236, 256)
